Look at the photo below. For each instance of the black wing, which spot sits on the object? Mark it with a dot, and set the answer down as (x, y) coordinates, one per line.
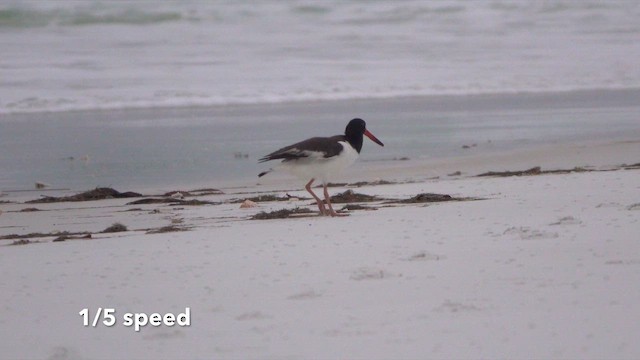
(318, 147)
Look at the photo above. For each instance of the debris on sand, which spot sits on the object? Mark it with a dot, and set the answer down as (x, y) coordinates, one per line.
(261, 198)
(282, 214)
(567, 220)
(95, 194)
(427, 198)
(147, 201)
(166, 229)
(197, 192)
(196, 202)
(177, 195)
(350, 207)
(533, 171)
(342, 184)
(372, 183)
(360, 183)
(39, 235)
(349, 196)
(116, 227)
(71, 237)
(24, 242)
(568, 171)
(171, 201)
(31, 209)
(424, 256)
(247, 204)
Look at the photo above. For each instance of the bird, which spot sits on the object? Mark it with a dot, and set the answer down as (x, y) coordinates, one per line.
(321, 158)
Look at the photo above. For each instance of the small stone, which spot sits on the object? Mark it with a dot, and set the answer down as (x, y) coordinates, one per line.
(248, 204)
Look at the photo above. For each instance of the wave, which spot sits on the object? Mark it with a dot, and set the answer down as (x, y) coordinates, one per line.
(40, 105)
(196, 53)
(21, 17)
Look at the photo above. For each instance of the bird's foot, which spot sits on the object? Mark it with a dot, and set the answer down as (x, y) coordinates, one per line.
(332, 213)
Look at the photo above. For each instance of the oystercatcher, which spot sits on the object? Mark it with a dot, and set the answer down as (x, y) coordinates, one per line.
(321, 158)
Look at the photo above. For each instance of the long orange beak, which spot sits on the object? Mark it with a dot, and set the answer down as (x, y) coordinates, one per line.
(373, 138)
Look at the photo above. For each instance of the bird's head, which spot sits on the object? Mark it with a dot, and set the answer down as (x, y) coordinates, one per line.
(357, 128)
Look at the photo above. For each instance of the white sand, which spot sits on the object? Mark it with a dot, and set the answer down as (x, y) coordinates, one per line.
(546, 267)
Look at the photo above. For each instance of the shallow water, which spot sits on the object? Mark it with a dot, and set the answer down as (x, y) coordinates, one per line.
(169, 147)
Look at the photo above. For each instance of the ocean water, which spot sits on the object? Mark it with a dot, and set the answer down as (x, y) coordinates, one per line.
(90, 54)
(138, 94)
(189, 147)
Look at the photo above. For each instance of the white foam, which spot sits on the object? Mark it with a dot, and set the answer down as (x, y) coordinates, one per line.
(94, 55)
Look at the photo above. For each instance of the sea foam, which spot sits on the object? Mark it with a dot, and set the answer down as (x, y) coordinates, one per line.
(69, 55)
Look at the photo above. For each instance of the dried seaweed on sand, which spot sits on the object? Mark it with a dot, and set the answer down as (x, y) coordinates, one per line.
(282, 214)
(95, 194)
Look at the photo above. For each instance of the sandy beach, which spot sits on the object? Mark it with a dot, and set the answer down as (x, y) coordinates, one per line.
(532, 266)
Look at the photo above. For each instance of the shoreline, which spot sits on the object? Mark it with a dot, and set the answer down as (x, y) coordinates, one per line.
(597, 154)
(219, 146)
(438, 102)
(593, 155)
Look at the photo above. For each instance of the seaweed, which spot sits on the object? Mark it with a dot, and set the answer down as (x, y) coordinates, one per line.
(38, 235)
(427, 198)
(351, 207)
(430, 198)
(533, 171)
(196, 192)
(116, 227)
(95, 194)
(281, 214)
(166, 229)
(24, 242)
(349, 196)
(261, 198)
(171, 201)
(71, 237)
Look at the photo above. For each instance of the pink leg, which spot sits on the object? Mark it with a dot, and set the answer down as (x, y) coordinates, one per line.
(323, 211)
(328, 199)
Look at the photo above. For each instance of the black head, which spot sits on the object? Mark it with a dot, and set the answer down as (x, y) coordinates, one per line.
(354, 131)
(355, 127)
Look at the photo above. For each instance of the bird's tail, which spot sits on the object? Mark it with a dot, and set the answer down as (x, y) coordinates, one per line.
(265, 173)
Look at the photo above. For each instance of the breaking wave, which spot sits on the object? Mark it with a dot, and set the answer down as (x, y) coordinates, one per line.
(22, 17)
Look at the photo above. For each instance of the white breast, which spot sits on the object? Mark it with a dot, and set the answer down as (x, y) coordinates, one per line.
(322, 169)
